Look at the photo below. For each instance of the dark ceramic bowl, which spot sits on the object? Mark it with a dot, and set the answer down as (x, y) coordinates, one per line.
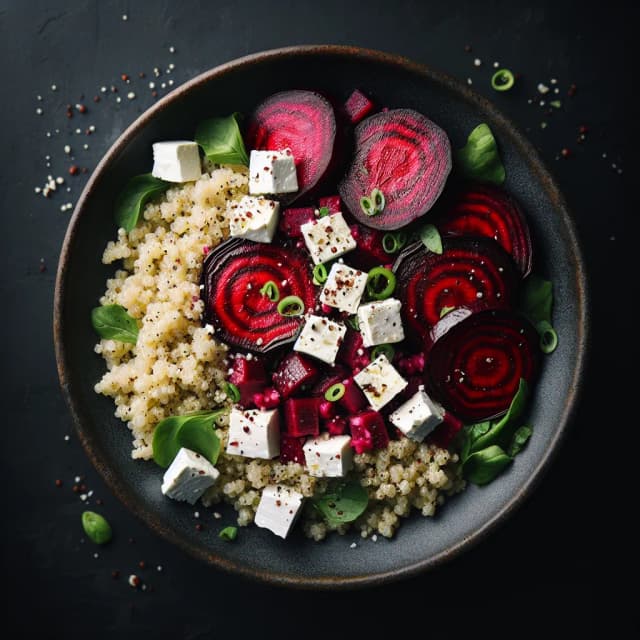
(421, 543)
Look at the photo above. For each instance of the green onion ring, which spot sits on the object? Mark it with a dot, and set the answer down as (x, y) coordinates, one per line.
(378, 199)
(233, 392)
(323, 211)
(366, 204)
(334, 392)
(372, 283)
(548, 337)
(353, 322)
(320, 274)
(502, 80)
(383, 349)
(270, 289)
(291, 306)
(390, 243)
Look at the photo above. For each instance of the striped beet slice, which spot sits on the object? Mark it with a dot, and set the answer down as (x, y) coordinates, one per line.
(469, 270)
(303, 121)
(484, 210)
(407, 157)
(474, 367)
(234, 272)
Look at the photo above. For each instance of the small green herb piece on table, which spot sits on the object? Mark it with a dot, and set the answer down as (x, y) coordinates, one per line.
(229, 534)
(96, 527)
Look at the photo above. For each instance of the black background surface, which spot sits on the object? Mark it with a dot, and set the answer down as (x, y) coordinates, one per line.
(538, 572)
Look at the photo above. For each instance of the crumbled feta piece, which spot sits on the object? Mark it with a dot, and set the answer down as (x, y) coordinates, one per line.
(278, 509)
(177, 161)
(327, 238)
(254, 433)
(272, 172)
(380, 322)
(418, 416)
(380, 382)
(253, 218)
(320, 338)
(188, 476)
(343, 288)
(328, 457)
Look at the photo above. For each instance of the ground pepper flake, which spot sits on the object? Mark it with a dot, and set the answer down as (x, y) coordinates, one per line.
(115, 574)
(565, 153)
(74, 170)
(58, 483)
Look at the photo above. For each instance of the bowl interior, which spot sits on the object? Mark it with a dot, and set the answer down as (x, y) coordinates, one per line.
(238, 86)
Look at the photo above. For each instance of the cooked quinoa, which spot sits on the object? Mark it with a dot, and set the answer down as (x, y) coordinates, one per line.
(178, 366)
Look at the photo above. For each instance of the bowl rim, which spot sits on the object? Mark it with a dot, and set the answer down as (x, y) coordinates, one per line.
(524, 147)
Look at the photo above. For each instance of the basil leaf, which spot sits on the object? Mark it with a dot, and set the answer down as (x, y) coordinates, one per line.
(136, 193)
(479, 158)
(471, 433)
(484, 465)
(193, 431)
(344, 504)
(501, 431)
(111, 321)
(96, 527)
(520, 438)
(221, 140)
(431, 239)
(229, 533)
(536, 302)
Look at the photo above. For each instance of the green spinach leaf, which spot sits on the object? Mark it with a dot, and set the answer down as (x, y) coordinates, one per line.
(479, 158)
(483, 466)
(111, 321)
(221, 140)
(519, 440)
(431, 239)
(536, 302)
(470, 434)
(344, 504)
(229, 534)
(138, 191)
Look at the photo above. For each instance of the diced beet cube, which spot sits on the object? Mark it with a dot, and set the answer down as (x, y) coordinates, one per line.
(326, 409)
(445, 432)
(293, 371)
(369, 251)
(301, 417)
(331, 377)
(358, 106)
(267, 399)
(352, 351)
(249, 376)
(353, 399)
(333, 203)
(291, 449)
(411, 364)
(292, 219)
(337, 426)
(368, 431)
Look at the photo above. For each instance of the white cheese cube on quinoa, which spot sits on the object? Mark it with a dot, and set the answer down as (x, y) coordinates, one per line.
(254, 433)
(380, 382)
(177, 161)
(253, 218)
(380, 322)
(418, 416)
(343, 288)
(328, 457)
(272, 172)
(278, 509)
(188, 476)
(320, 338)
(327, 238)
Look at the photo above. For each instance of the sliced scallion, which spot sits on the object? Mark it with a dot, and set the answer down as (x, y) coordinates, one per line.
(291, 306)
(502, 80)
(390, 243)
(270, 289)
(366, 204)
(383, 349)
(548, 336)
(323, 211)
(334, 392)
(381, 283)
(378, 199)
(320, 274)
(233, 393)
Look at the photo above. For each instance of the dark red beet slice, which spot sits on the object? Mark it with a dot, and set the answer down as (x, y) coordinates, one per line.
(249, 376)
(234, 272)
(484, 210)
(292, 373)
(301, 417)
(369, 251)
(293, 218)
(468, 271)
(352, 351)
(368, 431)
(474, 368)
(332, 376)
(444, 433)
(407, 157)
(303, 121)
(333, 203)
(291, 449)
(353, 399)
(358, 106)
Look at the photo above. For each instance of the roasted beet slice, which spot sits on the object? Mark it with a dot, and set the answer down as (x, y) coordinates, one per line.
(407, 157)
(369, 251)
(484, 210)
(358, 106)
(468, 270)
(293, 218)
(234, 272)
(474, 367)
(303, 121)
(445, 432)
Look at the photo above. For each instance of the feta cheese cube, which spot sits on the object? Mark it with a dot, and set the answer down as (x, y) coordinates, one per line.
(344, 288)
(320, 338)
(380, 322)
(272, 172)
(188, 476)
(278, 509)
(418, 416)
(327, 238)
(328, 457)
(254, 433)
(177, 161)
(380, 382)
(253, 218)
